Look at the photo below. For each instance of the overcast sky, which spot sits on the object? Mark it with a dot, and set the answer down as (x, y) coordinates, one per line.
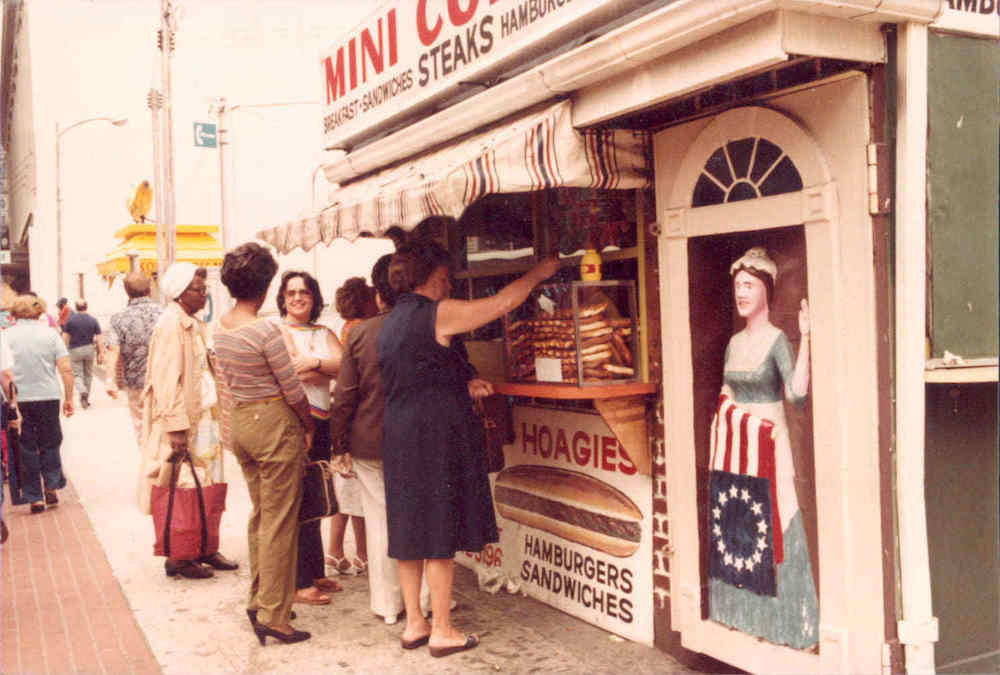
(99, 57)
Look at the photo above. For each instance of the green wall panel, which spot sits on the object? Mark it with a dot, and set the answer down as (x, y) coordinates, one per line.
(962, 524)
(964, 124)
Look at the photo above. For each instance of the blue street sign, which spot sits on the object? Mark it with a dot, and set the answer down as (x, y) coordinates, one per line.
(204, 135)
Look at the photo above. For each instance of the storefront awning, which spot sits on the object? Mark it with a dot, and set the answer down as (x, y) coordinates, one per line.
(533, 152)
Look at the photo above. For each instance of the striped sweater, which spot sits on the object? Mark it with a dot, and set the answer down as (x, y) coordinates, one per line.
(254, 365)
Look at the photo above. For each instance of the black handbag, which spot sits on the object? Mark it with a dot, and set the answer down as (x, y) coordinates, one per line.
(319, 499)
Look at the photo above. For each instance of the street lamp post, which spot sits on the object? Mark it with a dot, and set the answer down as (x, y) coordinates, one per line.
(116, 121)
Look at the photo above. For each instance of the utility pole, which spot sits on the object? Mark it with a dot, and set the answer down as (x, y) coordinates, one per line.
(154, 99)
(223, 136)
(166, 44)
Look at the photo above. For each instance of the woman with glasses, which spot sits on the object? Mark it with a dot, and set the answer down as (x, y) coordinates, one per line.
(316, 354)
(176, 404)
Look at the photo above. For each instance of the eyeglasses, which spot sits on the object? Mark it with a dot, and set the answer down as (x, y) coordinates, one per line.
(200, 290)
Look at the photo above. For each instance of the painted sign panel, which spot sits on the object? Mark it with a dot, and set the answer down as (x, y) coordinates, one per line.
(971, 17)
(204, 135)
(413, 50)
(575, 519)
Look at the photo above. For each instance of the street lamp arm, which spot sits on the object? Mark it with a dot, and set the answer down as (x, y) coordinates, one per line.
(117, 121)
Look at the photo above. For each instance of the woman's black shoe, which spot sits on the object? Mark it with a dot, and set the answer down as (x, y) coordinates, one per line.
(219, 562)
(252, 615)
(263, 632)
(37, 507)
(187, 568)
(51, 499)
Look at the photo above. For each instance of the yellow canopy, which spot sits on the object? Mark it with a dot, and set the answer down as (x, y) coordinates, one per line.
(195, 244)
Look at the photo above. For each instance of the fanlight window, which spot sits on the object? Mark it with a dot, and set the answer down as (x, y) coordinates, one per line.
(747, 168)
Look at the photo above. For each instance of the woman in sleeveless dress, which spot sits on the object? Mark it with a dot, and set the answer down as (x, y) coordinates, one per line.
(760, 371)
(316, 354)
(438, 497)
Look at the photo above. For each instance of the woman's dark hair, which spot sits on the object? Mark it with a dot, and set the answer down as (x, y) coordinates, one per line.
(355, 299)
(413, 264)
(380, 280)
(311, 284)
(762, 275)
(247, 271)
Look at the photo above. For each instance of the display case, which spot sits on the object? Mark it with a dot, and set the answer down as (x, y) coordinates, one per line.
(581, 333)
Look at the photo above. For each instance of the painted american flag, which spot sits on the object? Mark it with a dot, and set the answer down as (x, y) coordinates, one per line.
(745, 541)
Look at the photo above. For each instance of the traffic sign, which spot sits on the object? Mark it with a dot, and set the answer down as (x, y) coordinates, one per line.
(204, 135)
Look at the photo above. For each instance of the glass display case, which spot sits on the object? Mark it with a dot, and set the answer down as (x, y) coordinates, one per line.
(579, 333)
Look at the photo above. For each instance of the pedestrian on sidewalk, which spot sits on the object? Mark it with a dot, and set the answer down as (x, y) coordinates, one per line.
(39, 354)
(82, 334)
(128, 346)
(269, 427)
(177, 419)
(356, 428)
(316, 355)
(355, 302)
(11, 418)
(438, 495)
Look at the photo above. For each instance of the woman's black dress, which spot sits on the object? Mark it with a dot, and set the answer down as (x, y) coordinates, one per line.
(437, 491)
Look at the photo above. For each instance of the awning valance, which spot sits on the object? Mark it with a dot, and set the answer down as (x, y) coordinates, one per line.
(534, 152)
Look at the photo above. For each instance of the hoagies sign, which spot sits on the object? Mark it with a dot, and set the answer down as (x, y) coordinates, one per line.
(575, 521)
(413, 51)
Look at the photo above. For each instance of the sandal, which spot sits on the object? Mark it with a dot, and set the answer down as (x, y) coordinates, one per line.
(359, 566)
(338, 564)
(471, 641)
(304, 597)
(327, 585)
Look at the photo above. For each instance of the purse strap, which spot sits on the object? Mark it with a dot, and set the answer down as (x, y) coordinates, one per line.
(170, 505)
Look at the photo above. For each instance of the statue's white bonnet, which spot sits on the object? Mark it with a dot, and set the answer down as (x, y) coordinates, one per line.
(758, 259)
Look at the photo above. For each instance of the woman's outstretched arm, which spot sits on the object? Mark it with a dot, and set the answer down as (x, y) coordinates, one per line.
(461, 316)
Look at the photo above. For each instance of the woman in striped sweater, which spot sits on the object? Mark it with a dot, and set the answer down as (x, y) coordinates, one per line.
(269, 430)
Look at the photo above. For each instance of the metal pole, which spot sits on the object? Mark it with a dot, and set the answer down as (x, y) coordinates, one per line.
(226, 235)
(155, 102)
(166, 48)
(59, 247)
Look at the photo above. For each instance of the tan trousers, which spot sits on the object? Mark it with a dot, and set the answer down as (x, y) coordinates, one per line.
(135, 410)
(269, 444)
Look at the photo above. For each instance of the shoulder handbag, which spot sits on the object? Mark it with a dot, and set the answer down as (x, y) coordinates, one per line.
(319, 499)
(187, 519)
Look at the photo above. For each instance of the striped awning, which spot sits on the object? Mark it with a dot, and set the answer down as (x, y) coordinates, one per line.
(534, 152)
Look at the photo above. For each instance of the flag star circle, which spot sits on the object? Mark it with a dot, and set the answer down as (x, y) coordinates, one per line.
(728, 559)
(739, 563)
(733, 492)
(723, 498)
(721, 546)
(716, 513)
(761, 543)
(716, 530)
(745, 495)
(749, 564)
(756, 508)
(762, 527)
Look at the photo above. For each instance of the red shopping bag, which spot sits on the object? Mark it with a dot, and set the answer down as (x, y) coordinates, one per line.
(187, 519)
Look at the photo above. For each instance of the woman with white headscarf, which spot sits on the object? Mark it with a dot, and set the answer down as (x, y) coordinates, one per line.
(177, 400)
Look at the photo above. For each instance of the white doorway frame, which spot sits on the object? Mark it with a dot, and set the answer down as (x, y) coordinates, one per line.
(817, 209)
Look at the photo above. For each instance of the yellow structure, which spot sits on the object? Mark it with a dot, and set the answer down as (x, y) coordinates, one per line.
(195, 244)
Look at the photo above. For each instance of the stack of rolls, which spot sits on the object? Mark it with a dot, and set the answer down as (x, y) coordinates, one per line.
(604, 348)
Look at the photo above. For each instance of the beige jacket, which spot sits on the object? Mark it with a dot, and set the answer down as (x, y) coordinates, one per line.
(171, 399)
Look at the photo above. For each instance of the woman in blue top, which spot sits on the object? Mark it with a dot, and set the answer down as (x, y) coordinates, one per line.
(760, 371)
(436, 484)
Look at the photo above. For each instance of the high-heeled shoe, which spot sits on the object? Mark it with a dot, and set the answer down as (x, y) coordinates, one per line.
(263, 632)
(252, 615)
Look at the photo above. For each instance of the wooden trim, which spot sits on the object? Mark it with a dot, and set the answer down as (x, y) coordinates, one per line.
(571, 392)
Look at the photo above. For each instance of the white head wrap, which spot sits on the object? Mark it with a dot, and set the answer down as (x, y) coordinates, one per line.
(758, 260)
(177, 278)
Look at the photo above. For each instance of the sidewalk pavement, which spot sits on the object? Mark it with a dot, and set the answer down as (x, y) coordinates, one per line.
(82, 593)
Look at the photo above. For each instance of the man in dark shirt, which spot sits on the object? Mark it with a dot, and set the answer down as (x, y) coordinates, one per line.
(82, 334)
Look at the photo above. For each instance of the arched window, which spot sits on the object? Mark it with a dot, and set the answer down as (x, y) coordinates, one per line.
(747, 168)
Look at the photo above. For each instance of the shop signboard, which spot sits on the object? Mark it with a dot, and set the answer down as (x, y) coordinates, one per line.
(411, 51)
(970, 17)
(575, 518)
